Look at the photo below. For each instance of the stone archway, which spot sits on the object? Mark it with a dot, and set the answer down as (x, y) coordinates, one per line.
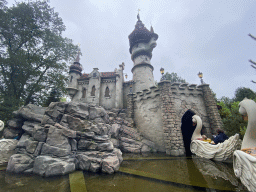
(187, 130)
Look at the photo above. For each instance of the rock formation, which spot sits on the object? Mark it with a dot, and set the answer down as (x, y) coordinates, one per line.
(67, 136)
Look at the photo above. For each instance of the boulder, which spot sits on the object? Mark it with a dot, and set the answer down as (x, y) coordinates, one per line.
(96, 112)
(110, 164)
(15, 123)
(130, 133)
(105, 146)
(39, 133)
(19, 163)
(22, 141)
(10, 133)
(114, 130)
(115, 142)
(32, 112)
(55, 138)
(76, 124)
(28, 126)
(56, 110)
(38, 149)
(55, 151)
(31, 146)
(83, 144)
(79, 110)
(66, 132)
(48, 166)
(89, 163)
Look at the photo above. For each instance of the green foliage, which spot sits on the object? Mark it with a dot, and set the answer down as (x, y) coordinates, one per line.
(173, 77)
(231, 118)
(54, 96)
(243, 92)
(243, 130)
(33, 54)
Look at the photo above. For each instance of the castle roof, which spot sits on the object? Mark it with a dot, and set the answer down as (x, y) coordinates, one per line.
(140, 34)
(76, 67)
(102, 75)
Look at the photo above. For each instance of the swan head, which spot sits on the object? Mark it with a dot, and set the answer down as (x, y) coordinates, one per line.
(245, 103)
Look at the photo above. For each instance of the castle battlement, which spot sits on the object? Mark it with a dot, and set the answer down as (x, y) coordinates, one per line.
(152, 92)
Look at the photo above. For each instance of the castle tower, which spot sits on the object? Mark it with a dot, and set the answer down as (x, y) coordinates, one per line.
(142, 42)
(74, 73)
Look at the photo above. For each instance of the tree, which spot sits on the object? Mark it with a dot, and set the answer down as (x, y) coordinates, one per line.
(55, 96)
(33, 54)
(243, 92)
(253, 62)
(233, 122)
(173, 77)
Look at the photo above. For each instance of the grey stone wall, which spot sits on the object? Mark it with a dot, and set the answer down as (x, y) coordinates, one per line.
(211, 109)
(148, 116)
(143, 77)
(157, 113)
(119, 88)
(190, 97)
(171, 125)
(108, 102)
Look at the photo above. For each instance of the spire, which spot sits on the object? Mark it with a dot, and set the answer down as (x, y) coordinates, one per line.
(140, 34)
(138, 16)
(151, 29)
(78, 57)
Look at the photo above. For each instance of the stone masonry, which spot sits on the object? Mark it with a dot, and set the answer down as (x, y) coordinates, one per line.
(172, 134)
(211, 109)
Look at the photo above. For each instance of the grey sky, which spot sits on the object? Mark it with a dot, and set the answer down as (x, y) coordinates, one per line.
(207, 36)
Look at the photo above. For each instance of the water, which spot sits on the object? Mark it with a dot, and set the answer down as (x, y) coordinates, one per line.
(153, 172)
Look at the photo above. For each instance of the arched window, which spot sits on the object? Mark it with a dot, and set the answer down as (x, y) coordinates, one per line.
(107, 92)
(93, 91)
(84, 93)
(71, 79)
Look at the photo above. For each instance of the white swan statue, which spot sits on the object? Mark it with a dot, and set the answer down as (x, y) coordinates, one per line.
(1, 125)
(244, 160)
(219, 152)
(7, 149)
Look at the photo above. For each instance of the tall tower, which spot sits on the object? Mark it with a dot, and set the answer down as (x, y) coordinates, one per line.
(74, 73)
(142, 42)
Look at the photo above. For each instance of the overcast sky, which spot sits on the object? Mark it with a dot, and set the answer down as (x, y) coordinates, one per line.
(207, 36)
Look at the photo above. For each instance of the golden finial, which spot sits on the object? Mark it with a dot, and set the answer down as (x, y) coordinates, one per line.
(138, 16)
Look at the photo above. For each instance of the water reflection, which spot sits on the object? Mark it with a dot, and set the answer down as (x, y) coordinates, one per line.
(154, 172)
(213, 170)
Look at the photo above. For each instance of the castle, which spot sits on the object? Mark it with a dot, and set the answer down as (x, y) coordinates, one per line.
(158, 111)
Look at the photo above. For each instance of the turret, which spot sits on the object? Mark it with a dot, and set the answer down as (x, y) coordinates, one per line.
(74, 74)
(142, 42)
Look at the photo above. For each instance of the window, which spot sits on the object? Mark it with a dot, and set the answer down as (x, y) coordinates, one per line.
(84, 93)
(93, 91)
(71, 79)
(94, 74)
(107, 92)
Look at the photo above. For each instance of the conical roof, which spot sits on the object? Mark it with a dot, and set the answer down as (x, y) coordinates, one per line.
(140, 34)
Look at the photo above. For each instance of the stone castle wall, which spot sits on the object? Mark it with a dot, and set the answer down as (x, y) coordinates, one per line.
(157, 113)
(108, 102)
(147, 115)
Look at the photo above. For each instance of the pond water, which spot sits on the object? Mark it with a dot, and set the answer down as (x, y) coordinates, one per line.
(152, 172)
